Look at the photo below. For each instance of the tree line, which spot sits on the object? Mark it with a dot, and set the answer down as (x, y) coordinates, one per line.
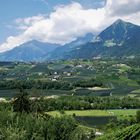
(57, 85)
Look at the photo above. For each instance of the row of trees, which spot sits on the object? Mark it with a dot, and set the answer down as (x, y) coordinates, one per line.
(88, 83)
(29, 84)
(61, 85)
(75, 103)
(82, 103)
(72, 103)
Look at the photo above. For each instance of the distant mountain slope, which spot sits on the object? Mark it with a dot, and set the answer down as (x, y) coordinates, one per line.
(121, 39)
(30, 51)
(60, 52)
(119, 32)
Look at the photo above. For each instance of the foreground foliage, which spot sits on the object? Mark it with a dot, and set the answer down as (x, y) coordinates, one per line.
(129, 133)
(15, 126)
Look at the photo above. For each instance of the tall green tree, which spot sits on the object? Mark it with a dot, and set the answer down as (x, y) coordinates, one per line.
(138, 116)
(22, 103)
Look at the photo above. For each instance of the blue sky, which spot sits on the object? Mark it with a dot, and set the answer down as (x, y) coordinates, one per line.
(12, 9)
(60, 21)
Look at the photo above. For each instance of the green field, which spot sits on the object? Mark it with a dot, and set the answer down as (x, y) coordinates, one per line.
(96, 118)
(124, 112)
(97, 113)
(82, 113)
(136, 91)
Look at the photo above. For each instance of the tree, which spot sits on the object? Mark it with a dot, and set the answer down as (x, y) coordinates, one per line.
(22, 103)
(138, 116)
(36, 106)
(92, 135)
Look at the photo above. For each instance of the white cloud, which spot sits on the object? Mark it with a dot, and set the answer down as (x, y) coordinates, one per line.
(68, 22)
(128, 10)
(25, 23)
(123, 7)
(11, 42)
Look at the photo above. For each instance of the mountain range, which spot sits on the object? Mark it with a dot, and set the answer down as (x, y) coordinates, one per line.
(29, 51)
(121, 39)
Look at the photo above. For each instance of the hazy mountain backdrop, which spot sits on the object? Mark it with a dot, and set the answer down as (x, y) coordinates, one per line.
(121, 39)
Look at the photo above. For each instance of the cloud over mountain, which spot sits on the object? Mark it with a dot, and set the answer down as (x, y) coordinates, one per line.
(124, 7)
(67, 22)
